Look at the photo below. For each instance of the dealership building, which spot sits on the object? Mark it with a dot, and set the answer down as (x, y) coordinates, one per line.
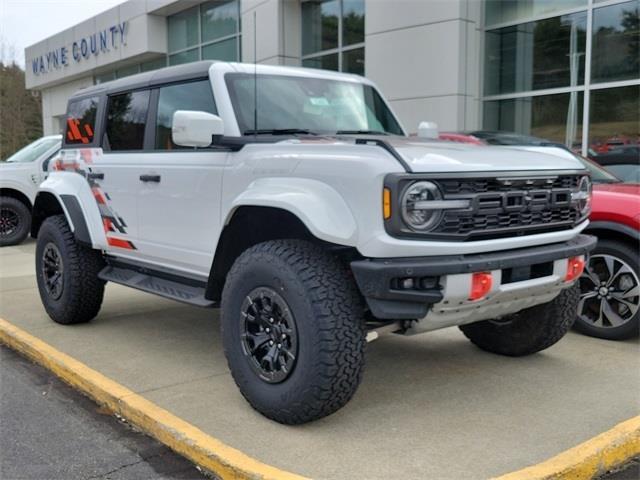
(566, 70)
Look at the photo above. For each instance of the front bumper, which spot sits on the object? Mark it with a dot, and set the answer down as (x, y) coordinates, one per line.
(521, 278)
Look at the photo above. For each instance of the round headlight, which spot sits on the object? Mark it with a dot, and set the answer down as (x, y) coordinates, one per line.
(416, 214)
(583, 196)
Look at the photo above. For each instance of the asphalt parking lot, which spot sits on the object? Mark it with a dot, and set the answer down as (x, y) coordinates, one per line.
(430, 406)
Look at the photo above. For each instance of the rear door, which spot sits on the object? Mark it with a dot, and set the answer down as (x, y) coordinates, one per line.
(117, 170)
(180, 188)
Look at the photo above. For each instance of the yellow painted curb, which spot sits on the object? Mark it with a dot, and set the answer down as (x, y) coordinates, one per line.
(182, 437)
(594, 457)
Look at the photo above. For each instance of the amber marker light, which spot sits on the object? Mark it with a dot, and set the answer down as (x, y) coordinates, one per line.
(386, 203)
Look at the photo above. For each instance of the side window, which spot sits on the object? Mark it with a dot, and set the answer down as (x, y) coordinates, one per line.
(183, 96)
(81, 121)
(126, 119)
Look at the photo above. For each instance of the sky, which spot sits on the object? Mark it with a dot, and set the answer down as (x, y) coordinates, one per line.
(25, 22)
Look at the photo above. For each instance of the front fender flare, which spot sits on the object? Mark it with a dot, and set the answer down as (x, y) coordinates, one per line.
(320, 207)
(78, 203)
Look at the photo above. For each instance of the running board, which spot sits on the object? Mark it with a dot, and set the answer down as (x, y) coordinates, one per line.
(175, 290)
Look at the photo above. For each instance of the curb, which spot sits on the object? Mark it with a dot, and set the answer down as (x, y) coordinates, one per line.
(204, 450)
(594, 457)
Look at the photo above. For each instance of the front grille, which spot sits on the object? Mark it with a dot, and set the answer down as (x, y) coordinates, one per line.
(507, 206)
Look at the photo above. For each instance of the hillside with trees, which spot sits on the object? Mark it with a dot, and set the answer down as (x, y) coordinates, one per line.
(20, 111)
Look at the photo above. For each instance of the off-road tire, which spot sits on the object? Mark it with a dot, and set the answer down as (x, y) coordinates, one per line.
(631, 328)
(528, 331)
(15, 207)
(328, 314)
(82, 290)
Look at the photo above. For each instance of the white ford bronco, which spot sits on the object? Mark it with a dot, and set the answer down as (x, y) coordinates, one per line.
(20, 175)
(294, 200)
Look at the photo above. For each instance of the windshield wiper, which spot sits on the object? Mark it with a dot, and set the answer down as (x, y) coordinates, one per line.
(361, 132)
(280, 131)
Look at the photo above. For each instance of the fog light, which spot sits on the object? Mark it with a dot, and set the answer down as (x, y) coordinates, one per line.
(575, 267)
(481, 283)
(406, 283)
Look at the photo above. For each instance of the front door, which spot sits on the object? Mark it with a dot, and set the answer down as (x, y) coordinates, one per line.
(179, 189)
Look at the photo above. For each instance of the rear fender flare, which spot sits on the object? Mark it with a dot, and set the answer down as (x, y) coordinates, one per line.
(79, 205)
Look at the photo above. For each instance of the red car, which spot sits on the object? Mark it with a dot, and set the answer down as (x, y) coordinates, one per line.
(610, 286)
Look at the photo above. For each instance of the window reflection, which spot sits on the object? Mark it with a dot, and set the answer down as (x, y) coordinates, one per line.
(616, 42)
(536, 55)
(557, 118)
(614, 118)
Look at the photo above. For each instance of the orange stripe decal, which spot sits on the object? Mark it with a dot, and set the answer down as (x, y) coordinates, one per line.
(118, 242)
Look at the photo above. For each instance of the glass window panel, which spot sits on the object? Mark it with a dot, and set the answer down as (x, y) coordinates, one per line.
(501, 11)
(183, 29)
(614, 118)
(105, 77)
(352, 21)
(126, 119)
(557, 118)
(219, 19)
(319, 25)
(126, 71)
(326, 62)
(153, 64)
(184, 57)
(616, 42)
(536, 55)
(81, 119)
(353, 61)
(185, 96)
(226, 50)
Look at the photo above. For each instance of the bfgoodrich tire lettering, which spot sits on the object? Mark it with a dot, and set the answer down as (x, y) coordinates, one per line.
(15, 221)
(528, 331)
(79, 296)
(328, 315)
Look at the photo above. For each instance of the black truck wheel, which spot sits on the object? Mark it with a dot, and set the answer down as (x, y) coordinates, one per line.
(293, 330)
(529, 330)
(15, 221)
(67, 274)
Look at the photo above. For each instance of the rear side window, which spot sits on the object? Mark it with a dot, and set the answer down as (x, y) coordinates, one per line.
(183, 96)
(126, 119)
(81, 121)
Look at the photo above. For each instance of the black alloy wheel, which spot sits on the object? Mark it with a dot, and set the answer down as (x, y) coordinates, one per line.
(270, 336)
(53, 271)
(9, 221)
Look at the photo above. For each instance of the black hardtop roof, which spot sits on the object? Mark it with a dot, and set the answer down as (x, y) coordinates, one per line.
(148, 79)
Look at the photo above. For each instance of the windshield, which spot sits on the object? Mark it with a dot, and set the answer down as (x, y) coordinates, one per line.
(289, 105)
(33, 151)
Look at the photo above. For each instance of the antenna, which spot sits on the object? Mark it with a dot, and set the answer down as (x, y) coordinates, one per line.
(255, 75)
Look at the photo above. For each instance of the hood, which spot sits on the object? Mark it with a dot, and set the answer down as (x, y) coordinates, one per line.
(619, 189)
(441, 156)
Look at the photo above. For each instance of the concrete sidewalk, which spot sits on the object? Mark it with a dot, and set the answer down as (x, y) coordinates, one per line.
(431, 406)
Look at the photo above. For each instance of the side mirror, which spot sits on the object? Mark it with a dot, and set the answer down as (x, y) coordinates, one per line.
(195, 129)
(428, 130)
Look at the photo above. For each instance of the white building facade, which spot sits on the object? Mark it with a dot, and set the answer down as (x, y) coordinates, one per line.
(566, 70)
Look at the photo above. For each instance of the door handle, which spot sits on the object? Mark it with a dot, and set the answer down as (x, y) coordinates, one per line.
(95, 176)
(150, 178)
